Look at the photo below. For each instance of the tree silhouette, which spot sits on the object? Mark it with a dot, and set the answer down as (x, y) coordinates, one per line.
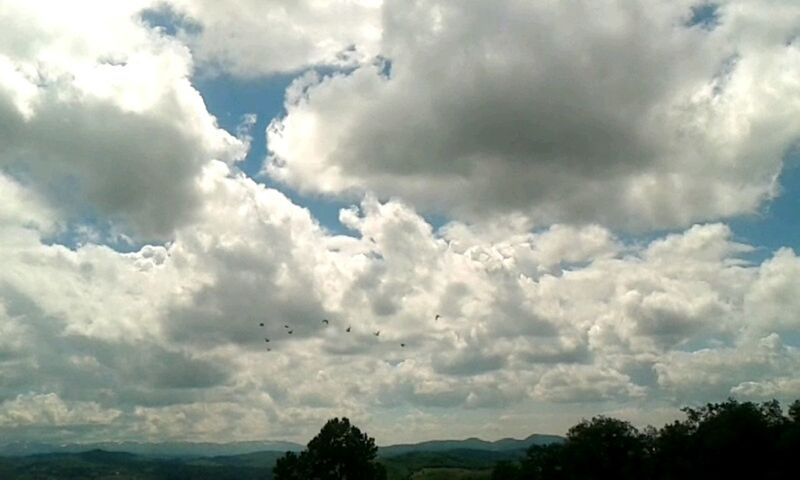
(288, 467)
(340, 451)
(543, 462)
(733, 439)
(717, 441)
(604, 447)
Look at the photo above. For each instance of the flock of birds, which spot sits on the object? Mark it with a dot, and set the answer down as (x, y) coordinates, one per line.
(325, 322)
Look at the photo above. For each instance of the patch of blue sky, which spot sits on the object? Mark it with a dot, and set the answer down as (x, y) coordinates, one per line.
(92, 229)
(704, 15)
(165, 19)
(230, 99)
(778, 225)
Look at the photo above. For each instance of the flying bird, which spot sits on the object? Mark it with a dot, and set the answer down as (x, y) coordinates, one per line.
(325, 321)
(437, 317)
(403, 345)
(348, 329)
(290, 332)
(377, 333)
(261, 324)
(286, 326)
(266, 340)
(269, 349)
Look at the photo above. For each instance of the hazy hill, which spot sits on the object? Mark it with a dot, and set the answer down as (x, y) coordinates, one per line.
(200, 449)
(506, 444)
(161, 449)
(472, 458)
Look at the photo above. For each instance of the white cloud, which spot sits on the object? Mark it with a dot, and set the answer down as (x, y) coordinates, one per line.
(254, 37)
(774, 299)
(169, 335)
(582, 383)
(99, 116)
(576, 112)
(20, 207)
(48, 410)
(754, 369)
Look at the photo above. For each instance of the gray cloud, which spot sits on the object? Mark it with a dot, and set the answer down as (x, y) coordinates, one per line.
(254, 37)
(113, 130)
(622, 115)
(173, 344)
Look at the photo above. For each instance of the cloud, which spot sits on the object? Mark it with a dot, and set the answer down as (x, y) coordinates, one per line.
(581, 383)
(250, 38)
(169, 335)
(625, 115)
(20, 207)
(48, 410)
(753, 369)
(99, 117)
(775, 295)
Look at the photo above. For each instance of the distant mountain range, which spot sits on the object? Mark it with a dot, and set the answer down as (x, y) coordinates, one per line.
(192, 449)
(504, 445)
(161, 449)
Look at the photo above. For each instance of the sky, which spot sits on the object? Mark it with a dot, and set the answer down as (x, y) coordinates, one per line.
(598, 199)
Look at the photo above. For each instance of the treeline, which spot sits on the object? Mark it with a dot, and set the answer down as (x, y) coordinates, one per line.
(726, 440)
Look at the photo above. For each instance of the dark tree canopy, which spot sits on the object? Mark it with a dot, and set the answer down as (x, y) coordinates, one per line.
(718, 441)
(340, 451)
(604, 448)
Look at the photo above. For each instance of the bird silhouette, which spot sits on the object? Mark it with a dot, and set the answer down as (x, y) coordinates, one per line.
(290, 332)
(286, 326)
(261, 324)
(266, 340)
(377, 333)
(437, 317)
(325, 321)
(269, 349)
(403, 345)
(348, 329)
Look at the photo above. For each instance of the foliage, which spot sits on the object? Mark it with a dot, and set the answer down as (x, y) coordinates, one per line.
(406, 465)
(340, 451)
(719, 440)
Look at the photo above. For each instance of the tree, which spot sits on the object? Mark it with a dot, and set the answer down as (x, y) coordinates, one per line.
(543, 462)
(724, 440)
(794, 412)
(736, 439)
(340, 451)
(604, 447)
(288, 467)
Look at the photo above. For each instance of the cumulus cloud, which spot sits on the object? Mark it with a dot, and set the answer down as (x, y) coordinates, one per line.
(169, 336)
(623, 114)
(98, 115)
(20, 207)
(753, 369)
(580, 383)
(249, 38)
(48, 410)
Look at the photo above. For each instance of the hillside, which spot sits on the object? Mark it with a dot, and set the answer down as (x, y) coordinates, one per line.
(463, 459)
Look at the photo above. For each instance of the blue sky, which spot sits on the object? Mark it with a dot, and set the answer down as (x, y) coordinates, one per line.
(230, 99)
